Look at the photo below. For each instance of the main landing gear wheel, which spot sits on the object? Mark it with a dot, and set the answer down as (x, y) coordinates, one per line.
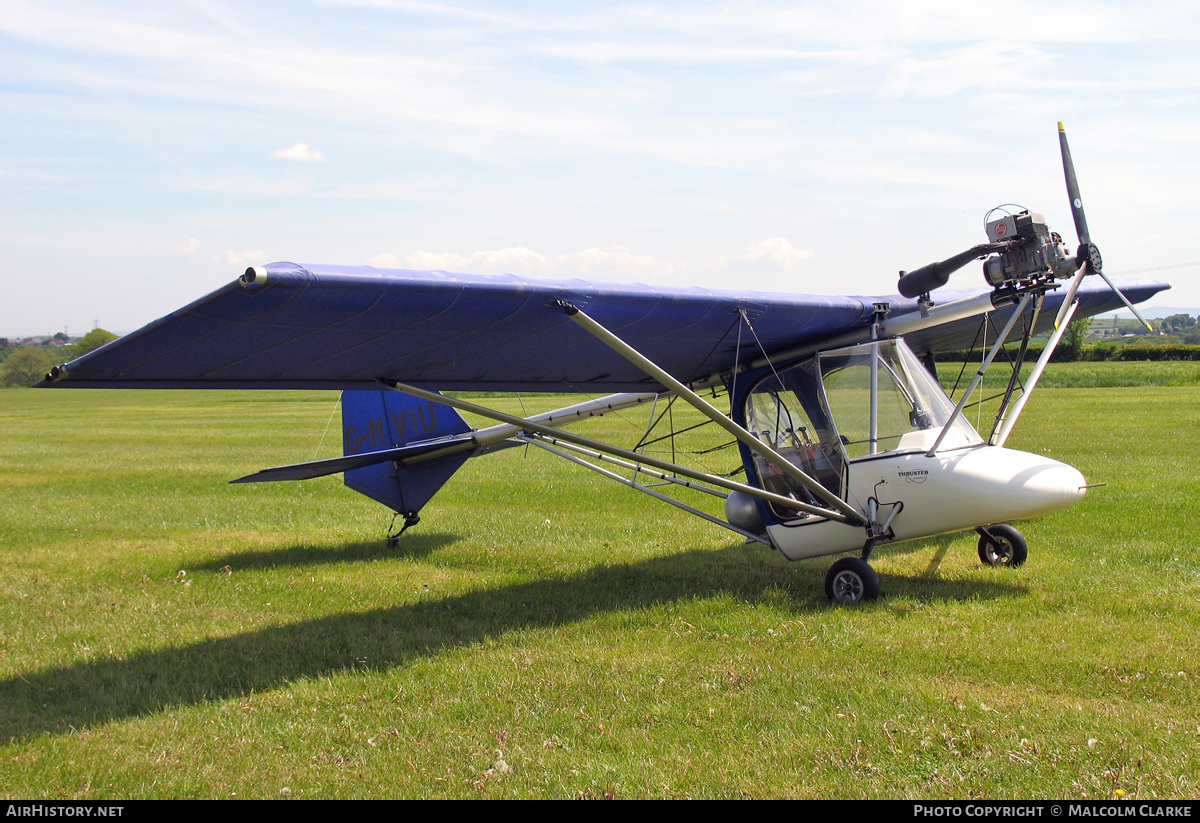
(851, 580)
(1006, 547)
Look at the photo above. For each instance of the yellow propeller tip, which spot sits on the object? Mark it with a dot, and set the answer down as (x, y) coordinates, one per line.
(1060, 126)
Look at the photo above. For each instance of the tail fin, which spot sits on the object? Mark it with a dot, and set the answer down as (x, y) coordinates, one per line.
(385, 419)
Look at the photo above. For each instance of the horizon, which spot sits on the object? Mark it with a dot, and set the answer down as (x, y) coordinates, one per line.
(1151, 312)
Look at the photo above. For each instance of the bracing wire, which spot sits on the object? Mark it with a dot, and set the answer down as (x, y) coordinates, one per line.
(328, 423)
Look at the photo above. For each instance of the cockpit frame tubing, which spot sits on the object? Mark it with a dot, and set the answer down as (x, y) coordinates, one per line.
(528, 425)
(597, 330)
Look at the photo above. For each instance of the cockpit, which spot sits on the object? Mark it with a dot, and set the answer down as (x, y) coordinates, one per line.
(843, 406)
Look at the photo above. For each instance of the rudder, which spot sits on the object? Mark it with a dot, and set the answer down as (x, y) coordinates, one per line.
(385, 419)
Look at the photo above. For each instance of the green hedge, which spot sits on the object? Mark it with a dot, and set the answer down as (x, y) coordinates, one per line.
(1093, 352)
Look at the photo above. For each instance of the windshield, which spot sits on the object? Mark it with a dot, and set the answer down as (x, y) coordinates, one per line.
(882, 399)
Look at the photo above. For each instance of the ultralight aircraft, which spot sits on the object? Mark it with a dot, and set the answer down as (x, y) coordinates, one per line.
(847, 441)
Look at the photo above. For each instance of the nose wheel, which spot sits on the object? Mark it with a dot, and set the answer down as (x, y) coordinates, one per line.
(1002, 545)
(851, 580)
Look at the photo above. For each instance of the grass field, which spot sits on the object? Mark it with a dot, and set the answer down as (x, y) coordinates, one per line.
(545, 633)
(1084, 375)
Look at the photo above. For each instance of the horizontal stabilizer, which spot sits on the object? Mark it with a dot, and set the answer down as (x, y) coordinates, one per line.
(337, 465)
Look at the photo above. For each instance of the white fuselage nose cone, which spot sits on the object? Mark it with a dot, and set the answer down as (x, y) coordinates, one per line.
(992, 484)
(948, 492)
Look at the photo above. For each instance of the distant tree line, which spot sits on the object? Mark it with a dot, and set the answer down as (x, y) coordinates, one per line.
(1091, 352)
(25, 365)
(1183, 325)
(1181, 328)
(1174, 338)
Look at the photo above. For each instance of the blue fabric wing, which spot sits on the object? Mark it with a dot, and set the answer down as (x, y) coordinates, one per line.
(347, 327)
(341, 327)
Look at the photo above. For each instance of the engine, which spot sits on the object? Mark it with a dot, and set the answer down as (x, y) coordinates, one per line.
(1031, 251)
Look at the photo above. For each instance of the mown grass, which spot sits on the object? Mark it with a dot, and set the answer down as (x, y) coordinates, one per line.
(545, 633)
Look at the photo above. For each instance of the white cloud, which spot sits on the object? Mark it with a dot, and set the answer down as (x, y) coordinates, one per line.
(241, 258)
(992, 65)
(775, 253)
(387, 260)
(614, 263)
(618, 263)
(513, 260)
(300, 151)
(669, 53)
(190, 246)
(442, 261)
(869, 23)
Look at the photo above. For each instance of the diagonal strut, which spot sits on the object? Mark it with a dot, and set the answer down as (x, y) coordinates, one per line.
(711, 412)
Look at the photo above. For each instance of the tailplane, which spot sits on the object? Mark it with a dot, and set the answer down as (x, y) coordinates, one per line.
(399, 450)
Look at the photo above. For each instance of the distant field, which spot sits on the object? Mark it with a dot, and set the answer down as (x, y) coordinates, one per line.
(1085, 375)
(544, 633)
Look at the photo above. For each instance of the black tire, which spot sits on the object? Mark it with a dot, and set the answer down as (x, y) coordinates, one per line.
(1011, 551)
(851, 580)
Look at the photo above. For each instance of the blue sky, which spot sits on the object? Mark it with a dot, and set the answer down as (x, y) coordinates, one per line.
(149, 152)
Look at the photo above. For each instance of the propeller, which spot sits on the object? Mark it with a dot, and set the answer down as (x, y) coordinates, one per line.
(1088, 256)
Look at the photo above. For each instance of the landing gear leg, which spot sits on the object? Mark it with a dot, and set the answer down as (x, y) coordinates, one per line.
(851, 580)
(410, 520)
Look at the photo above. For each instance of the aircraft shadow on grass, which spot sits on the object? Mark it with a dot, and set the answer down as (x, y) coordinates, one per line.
(414, 546)
(83, 695)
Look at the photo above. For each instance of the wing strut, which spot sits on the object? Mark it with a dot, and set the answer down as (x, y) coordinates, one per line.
(633, 484)
(712, 413)
(983, 367)
(530, 426)
(1014, 379)
(999, 437)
